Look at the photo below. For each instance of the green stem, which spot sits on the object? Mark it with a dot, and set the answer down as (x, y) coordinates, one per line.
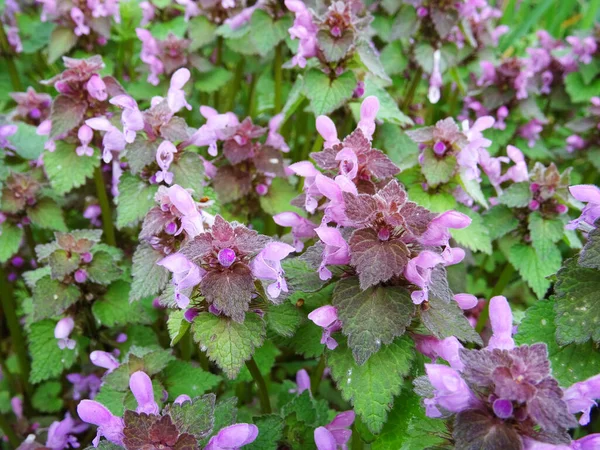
(411, 90)
(251, 97)
(218, 60)
(9, 432)
(277, 67)
(505, 277)
(357, 443)
(235, 86)
(186, 347)
(8, 54)
(14, 326)
(107, 224)
(203, 360)
(263, 394)
(30, 240)
(317, 375)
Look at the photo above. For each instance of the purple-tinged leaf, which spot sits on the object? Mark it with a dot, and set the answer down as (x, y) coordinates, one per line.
(548, 409)
(230, 290)
(67, 113)
(475, 429)
(444, 319)
(590, 254)
(376, 260)
(326, 158)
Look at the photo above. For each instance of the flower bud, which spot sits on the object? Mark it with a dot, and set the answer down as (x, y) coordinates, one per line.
(262, 189)
(80, 276)
(226, 257)
(96, 88)
(86, 257)
(561, 209)
(534, 205)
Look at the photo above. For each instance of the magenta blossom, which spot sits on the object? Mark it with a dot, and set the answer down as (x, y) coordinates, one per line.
(302, 382)
(303, 29)
(326, 317)
(267, 266)
(141, 388)
(451, 391)
(186, 275)
(336, 251)
(233, 437)
(62, 331)
(580, 397)
(336, 434)
(60, 433)
(501, 322)
(590, 194)
(109, 426)
(446, 349)
(113, 140)
(104, 360)
(302, 228)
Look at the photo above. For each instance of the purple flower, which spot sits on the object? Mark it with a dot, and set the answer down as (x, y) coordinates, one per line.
(437, 232)
(336, 250)
(583, 48)
(302, 228)
(466, 301)
(302, 382)
(83, 384)
(141, 388)
(519, 171)
(336, 434)
(418, 272)
(580, 397)
(589, 442)
(435, 80)
(447, 349)
(132, 118)
(60, 434)
(267, 266)
(7, 131)
(96, 87)
(192, 220)
(368, 112)
(327, 130)
(80, 276)
(85, 135)
(81, 28)
(307, 170)
(575, 142)
(104, 360)
(181, 399)
(233, 437)
(326, 318)
(62, 331)
(502, 327)
(303, 29)
(590, 194)
(274, 139)
(92, 213)
(531, 131)
(113, 139)
(186, 275)
(164, 157)
(176, 95)
(109, 426)
(451, 392)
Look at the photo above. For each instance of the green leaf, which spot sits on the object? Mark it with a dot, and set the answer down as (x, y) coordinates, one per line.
(228, 343)
(195, 417)
(51, 298)
(10, 240)
(578, 90)
(35, 35)
(533, 268)
(372, 61)
(499, 221)
(437, 170)
(225, 415)
(335, 48)
(177, 326)
(181, 377)
(371, 317)
(307, 340)
(408, 428)
(188, 172)
(327, 95)
(265, 360)
(47, 214)
(265, 33)
(590, 255)
(283, 319)
(201, 31)
(371, 387)
(47, 360)
(517, 195)
(570, 363)
(135, 200)
(447, 319)
(46, 397)
(114, 309)
(27, 143)
(401, 149)
(147, 359)
(473, 188)
(148, 277)
(177, 26)
(278, 199)
(307, 409)
(577, 304)
(214, 80)
(63, 263)
(62, 40)
(103, 269)
(270, 428)
(66, 170)
(544, 232)
(393, 58)
(301, 276)
(476, 236)
(111, 398)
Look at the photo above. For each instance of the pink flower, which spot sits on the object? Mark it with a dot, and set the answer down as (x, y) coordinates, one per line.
(78, 17)
(451, 391)
(274, 139)
(104, 360)
(531, 131)
(326, 318)
(176, 95)
(302, 228)
(303, 29)
(302, 382)
(96, 88)
(164, 157)
(519, 171)
(7, 131)
(336, 251)
(438, 234)
(335, 434)
(466, 301)
(333, 189)
(149, 55)
(113, 139)
(501, 321)
(368, 112)
(590, 194)
(109, 426)
(327, 130)
(448, 349)
(60, 433)
(307, 170)
(435, 81)
(148, 12)
(132, 118)
(267, 266)
(218, 127)
(186, 275)
(62, 331)
(85, 135)
(580, 397)
(141, 388)
(233, 437)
